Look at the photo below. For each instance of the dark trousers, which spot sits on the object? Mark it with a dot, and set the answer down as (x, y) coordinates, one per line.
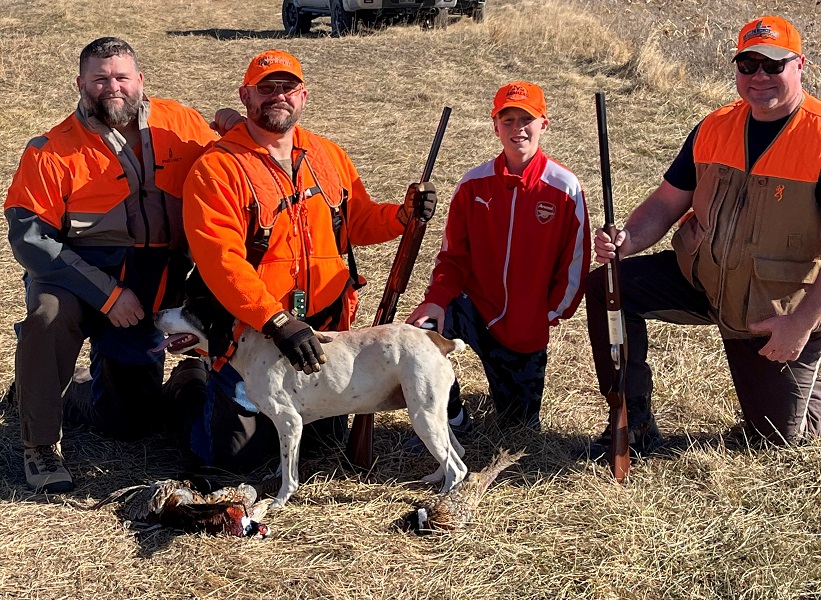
(515, 379)
(781, 402)
(121, 394)
(229, 432)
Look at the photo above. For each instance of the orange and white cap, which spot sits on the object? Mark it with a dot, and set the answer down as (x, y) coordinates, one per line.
(272, 61)
(772, 36)
(520, 94)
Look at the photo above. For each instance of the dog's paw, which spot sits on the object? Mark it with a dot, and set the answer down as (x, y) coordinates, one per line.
(436, 477)
(277, 503)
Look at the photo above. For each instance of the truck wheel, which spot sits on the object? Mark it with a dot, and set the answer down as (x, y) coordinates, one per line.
(342, 21)
(478, 13)
(437, 18)
(440, 19)
(295, 22)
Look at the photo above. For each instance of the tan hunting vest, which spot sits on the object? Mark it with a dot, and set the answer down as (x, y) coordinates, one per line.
(753, 240)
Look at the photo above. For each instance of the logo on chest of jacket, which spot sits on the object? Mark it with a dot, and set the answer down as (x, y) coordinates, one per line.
(481, 200)
(779, 193)
(171, 158)
(545, 211)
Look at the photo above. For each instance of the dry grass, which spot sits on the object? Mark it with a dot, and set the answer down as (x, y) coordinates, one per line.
(713, 518)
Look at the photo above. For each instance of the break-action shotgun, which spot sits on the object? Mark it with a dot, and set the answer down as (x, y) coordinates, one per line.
(360, 440)
(616, 399)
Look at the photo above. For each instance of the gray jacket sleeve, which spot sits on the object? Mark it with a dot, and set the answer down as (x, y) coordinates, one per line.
(36, 246)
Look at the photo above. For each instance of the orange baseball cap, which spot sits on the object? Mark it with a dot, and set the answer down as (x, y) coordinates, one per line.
(272, 61)
(521, 94)
(774, 37)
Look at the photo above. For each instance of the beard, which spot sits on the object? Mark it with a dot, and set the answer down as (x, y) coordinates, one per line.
(269, 116)
(110, 111)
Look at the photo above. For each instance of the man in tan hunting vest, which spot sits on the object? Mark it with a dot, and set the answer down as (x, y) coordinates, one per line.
(746, 257)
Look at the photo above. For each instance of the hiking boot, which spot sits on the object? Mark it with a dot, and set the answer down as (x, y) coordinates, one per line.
(45, 471)
(643, 435)
(414, 445)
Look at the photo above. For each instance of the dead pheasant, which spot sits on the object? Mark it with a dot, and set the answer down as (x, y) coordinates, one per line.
(453, 510)
(187, 506)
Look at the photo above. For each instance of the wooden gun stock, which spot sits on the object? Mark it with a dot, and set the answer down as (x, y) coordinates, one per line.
(616, 399)
(360, 440)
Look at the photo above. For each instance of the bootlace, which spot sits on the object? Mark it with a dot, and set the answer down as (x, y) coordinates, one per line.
(49, 458)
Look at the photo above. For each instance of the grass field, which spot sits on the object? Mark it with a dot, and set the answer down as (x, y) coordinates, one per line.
(708, 518)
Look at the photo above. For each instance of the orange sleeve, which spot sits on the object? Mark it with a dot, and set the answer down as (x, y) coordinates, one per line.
(215, 195)
(39, 185)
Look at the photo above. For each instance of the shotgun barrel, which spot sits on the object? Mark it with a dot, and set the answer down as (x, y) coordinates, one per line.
(616, 399)
(360, 440)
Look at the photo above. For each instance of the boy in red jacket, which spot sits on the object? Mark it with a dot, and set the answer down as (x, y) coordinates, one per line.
(516, 249)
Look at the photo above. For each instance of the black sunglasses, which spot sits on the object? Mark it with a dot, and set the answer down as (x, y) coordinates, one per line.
(749, 66)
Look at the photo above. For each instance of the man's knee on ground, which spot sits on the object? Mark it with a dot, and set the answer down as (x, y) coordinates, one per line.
(52, 311)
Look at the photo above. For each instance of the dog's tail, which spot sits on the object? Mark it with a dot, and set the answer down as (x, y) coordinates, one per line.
(445, 345)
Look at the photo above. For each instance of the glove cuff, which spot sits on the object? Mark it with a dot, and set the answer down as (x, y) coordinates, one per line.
(274, 325)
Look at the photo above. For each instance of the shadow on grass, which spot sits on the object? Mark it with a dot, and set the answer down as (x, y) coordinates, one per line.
(242, 34)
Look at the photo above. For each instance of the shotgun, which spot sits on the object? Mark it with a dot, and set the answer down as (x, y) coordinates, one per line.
(619, 449)
(360, 440)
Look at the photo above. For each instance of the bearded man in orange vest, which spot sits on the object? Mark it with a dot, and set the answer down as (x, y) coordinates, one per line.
(746, 256)
(270, 213)
(95, 217)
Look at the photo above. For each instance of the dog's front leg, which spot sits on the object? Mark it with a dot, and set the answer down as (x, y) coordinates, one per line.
(289, 427)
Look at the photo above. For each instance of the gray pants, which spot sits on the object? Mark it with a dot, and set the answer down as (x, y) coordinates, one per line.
(122, 395)
(781, 402)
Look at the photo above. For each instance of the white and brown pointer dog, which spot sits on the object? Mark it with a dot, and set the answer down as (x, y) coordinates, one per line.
(368, 370)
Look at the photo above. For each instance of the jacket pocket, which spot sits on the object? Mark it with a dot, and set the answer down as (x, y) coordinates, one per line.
(777, 286)
(686, 242)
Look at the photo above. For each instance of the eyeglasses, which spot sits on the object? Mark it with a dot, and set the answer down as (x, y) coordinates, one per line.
(749, 66)
(270, 87)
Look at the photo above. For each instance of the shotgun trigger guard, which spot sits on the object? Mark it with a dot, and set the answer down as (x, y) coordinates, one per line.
(615, 356)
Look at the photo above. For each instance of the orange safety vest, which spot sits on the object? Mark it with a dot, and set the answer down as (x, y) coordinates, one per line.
(302, 251)
(753, 242)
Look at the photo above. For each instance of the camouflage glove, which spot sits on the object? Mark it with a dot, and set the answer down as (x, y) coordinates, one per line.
(296, 340)
(420, 202)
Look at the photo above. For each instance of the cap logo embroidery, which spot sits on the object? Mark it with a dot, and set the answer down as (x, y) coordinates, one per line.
(545, 211)
(265, 61)
(762, 31)
(517, 92)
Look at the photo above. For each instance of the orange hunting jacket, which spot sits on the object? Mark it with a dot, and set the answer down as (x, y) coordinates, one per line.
(81, 202)
(754, 240)
(302, 251)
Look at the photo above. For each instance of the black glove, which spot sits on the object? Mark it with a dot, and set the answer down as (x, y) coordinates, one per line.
(420, 202)
(296, 340)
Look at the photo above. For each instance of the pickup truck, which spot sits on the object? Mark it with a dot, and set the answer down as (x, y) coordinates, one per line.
(345, 14)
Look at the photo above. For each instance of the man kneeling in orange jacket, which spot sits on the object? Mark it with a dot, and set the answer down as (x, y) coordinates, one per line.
(269, 213)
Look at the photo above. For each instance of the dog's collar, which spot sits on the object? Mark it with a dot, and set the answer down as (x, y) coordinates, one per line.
(220, 361)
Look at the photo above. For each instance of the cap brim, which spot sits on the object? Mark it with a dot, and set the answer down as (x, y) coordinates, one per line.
(525, 107)
(768, 50)
(266, 74)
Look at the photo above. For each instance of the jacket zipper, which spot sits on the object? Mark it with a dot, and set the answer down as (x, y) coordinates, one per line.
(304, 247)
(507, 257)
